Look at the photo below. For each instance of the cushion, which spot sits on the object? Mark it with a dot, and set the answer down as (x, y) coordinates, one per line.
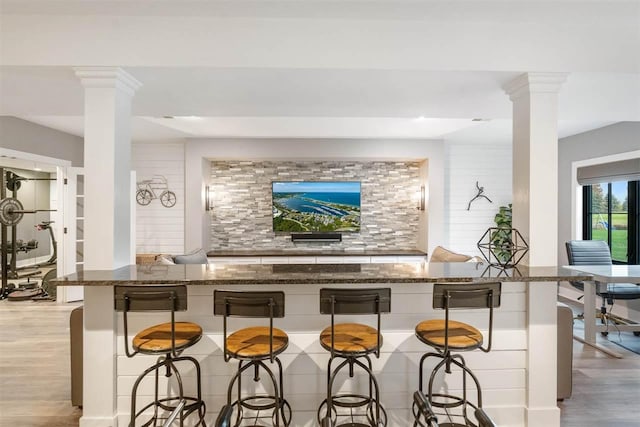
(146, 258)
(198, 256)
(164, 260)
(441, 254)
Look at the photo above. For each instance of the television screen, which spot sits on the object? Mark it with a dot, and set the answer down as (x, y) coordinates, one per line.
(316, 206)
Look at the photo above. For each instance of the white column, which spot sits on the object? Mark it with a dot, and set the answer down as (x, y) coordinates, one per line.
(107, 165)
(107, 227)
(535, 215)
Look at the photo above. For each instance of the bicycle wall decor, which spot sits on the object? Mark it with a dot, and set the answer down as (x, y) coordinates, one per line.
(155, 188)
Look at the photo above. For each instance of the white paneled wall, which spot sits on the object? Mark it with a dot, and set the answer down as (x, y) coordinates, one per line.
(160, 229)
(501, 371)
(490, 165)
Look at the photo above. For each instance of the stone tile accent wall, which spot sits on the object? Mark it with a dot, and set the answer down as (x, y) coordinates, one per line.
(242, 220)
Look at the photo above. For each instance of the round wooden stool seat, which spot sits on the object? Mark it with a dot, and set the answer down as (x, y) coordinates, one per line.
(461, 335)
(157, 338)
(253, 343)
(351, 338)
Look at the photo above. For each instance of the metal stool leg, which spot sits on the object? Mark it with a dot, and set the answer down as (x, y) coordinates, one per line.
(283, 402)
(197, 404)
(374, 412)
(332, 377)
(451, 401)
(377, 421)
(167, 363)
(462, 365)
(279, 403)
(421, 368)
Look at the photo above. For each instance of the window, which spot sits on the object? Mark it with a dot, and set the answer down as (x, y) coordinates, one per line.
(611, 213)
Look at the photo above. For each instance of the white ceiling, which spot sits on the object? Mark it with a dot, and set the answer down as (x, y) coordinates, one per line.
(322, 69)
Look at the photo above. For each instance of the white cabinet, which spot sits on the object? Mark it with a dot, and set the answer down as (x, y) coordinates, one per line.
(235, 260)
(383, 259)
(302, 260)
(412, 258)
(274, 260)
(318, 259)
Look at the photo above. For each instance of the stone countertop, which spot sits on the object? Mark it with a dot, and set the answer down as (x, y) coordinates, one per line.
(300, 274)
(298, 252)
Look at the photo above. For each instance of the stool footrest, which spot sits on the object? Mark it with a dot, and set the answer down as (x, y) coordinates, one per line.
(452, 425)
(192, 405)
(246, 402)
(364, 401)
(284, 410)
(359, 400)
(456, 401)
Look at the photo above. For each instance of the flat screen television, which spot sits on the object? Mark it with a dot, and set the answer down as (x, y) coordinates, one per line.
(314, 206)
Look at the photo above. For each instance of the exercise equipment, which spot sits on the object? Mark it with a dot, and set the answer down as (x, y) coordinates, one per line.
(28, 284)
(14, 181)
(11, 213)
(25, 294)
(49, 288)
(46, 225)
(22, 246)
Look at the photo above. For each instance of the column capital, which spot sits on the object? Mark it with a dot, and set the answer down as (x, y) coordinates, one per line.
(107, 77)
(534, 83)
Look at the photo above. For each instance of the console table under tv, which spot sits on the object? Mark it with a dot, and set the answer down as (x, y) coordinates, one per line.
(518, 375)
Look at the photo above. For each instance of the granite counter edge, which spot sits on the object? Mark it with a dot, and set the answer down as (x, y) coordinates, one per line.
(315, 281)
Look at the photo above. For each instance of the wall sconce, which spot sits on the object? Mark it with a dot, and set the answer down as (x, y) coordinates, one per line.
(421, 199)
(208, 198)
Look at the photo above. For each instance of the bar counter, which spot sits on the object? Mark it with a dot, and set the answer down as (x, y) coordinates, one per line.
(518, 375)
(280, 274)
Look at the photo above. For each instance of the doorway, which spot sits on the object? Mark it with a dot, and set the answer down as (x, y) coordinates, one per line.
(32, 219)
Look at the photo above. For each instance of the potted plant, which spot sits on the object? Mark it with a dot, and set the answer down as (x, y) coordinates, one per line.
(501, 235)
(503, 245)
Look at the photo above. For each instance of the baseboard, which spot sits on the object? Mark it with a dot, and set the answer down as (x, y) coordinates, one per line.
(546, 416)
(98, 421)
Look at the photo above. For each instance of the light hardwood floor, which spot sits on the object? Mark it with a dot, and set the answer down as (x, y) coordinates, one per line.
(34, 360)
(35, 390)
(605, 390)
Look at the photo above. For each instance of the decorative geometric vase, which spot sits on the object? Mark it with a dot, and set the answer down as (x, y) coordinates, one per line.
(503, 247)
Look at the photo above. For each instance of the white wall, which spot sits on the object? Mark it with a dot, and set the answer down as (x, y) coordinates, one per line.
(610, 140)
(467, 163)
(160, 229)
(454, 168)
(21, 135)
(614, 139)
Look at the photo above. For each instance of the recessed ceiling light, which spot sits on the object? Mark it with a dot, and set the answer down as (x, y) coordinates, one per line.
(190, 117)
(420, 119)
(37, 169)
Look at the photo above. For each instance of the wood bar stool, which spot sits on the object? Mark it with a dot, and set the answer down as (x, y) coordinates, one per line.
(167, 341)
(253, 346)
(448, 336)
(353, 342)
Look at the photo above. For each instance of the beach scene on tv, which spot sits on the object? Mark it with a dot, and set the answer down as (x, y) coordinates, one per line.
(316, 206)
